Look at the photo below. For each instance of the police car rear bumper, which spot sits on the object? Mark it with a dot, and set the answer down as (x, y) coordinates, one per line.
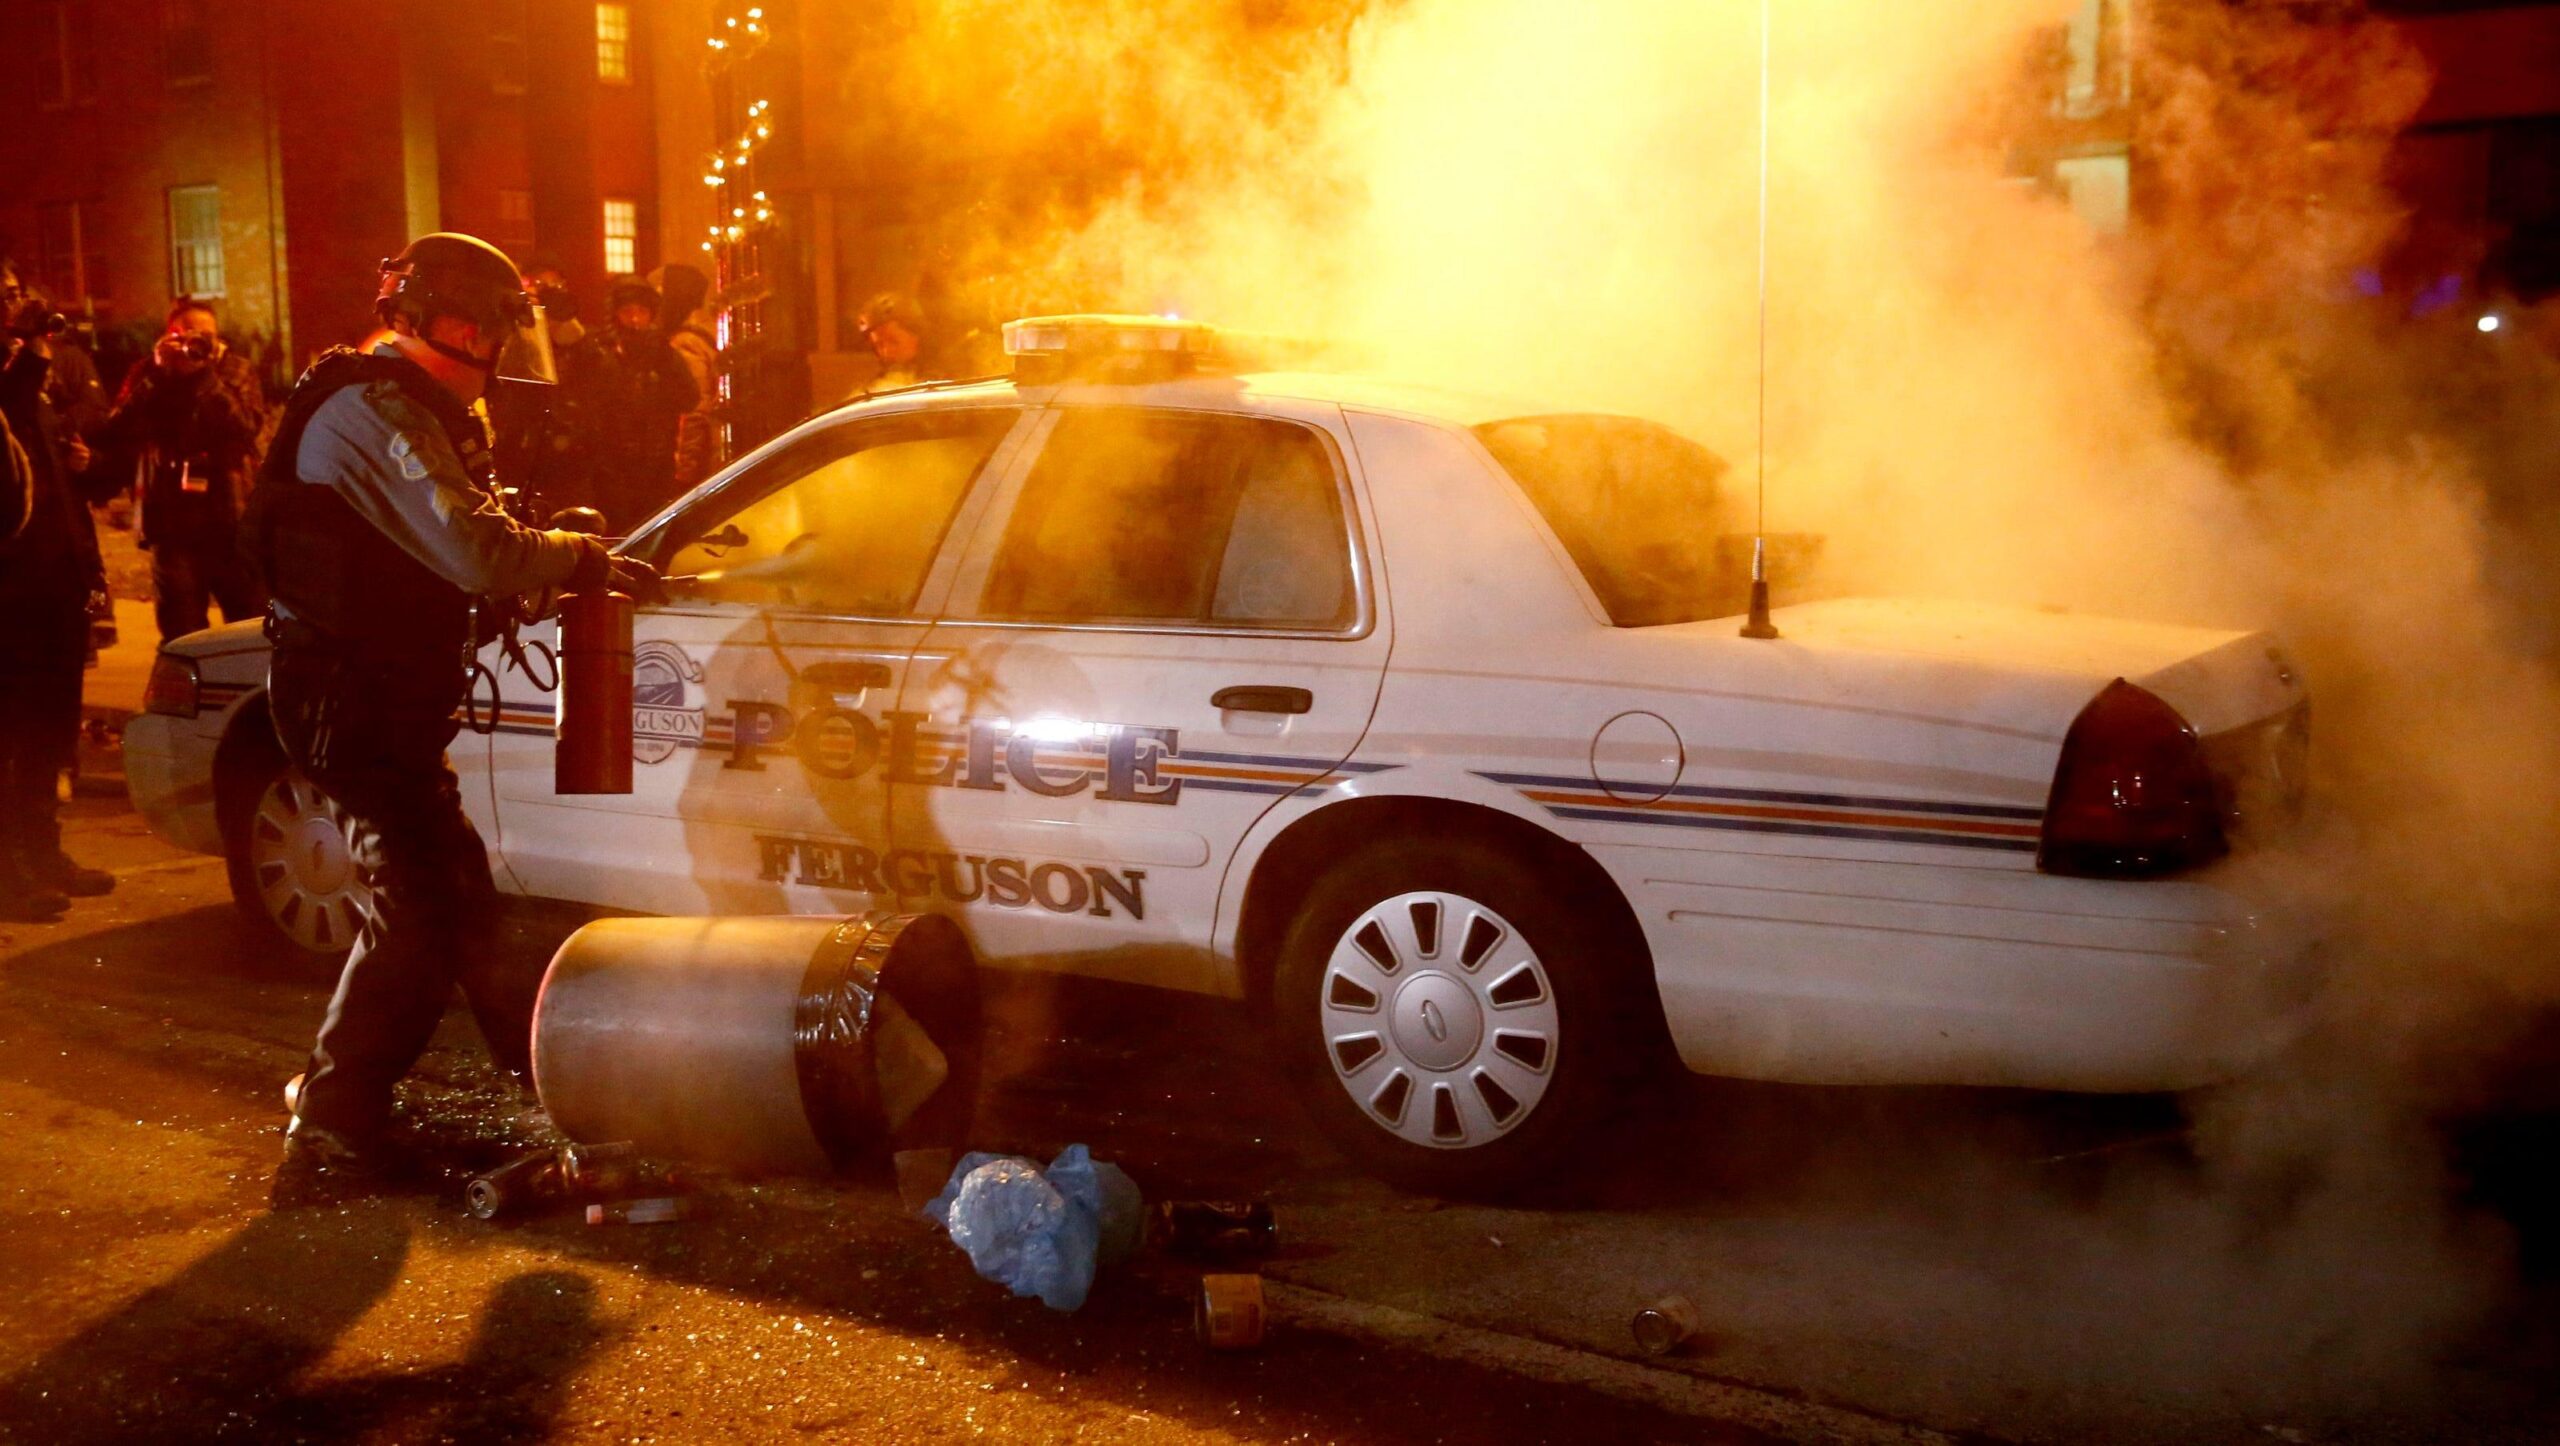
(1838, 972)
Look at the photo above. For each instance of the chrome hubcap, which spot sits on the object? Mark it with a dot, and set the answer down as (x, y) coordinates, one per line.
(304, 863)
(1439, 1020)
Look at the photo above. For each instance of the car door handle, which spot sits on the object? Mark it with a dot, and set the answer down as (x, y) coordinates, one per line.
(846, 677)
(1263, 700)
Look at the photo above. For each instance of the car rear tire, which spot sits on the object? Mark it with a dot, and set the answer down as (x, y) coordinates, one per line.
(292, 867)
(1458, 1024)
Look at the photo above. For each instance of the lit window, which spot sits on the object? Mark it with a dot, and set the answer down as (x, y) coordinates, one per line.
(621, 237)
(195, 240)
(613, 42)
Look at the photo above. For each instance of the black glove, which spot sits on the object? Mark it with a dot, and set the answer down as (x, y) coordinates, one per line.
(595, 565)
(638, 581)
(598, 568)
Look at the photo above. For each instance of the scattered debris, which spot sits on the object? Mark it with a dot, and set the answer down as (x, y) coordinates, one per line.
(1214, 1229)
(1037, 1232)
(658, 1211)
(1228, 1313)
(569, 1175)
(1666, 1326)
(921, 1176)
(515, 1188)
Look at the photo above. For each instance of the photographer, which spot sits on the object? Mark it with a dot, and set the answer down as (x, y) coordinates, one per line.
(191, 415)
(48, 572)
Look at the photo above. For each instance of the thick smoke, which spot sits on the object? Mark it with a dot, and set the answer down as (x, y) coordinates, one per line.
(1969, 392)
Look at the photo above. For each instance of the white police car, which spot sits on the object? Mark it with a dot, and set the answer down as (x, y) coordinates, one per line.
(1422, 721)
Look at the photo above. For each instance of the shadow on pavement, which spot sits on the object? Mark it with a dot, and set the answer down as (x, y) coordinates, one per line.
(218, 1348)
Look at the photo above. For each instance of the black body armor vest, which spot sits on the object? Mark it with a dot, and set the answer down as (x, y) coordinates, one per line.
(347, 586)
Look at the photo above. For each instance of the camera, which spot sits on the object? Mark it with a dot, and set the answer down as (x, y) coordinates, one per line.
(195, 346)
(34, 319)
(558, 306)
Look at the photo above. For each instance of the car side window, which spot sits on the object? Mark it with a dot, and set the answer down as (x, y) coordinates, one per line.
(848, 522)
(1141, 517)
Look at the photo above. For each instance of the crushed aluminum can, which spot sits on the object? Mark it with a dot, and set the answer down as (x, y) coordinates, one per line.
(1228, 1312)
(659, 1211)
(1214, 1229)
(1666, 1325)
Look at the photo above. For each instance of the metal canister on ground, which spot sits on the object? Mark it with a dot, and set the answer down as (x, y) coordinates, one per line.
(1214, 1229)
(1228, 1313)
(608, 1171)
(514, 1188)
(1666, 1325)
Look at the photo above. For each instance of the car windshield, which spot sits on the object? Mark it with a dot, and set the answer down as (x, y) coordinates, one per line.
(1640, 509)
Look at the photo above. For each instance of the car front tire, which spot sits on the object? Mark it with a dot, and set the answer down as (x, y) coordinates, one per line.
(1458, 1024)
(292, 867)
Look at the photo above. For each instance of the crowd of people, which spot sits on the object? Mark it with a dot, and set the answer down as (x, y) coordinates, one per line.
(175, 446)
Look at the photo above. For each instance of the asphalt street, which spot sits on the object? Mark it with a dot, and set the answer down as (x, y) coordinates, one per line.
(1870, 1265)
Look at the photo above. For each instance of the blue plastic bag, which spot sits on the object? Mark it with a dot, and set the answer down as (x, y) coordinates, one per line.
(1038, 1232)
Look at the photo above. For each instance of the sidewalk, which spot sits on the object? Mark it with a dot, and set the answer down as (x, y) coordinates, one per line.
(112, 691)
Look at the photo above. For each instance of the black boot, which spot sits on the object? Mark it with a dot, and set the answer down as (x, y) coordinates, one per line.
(71, 877)
(24, 900)
(324, 1167)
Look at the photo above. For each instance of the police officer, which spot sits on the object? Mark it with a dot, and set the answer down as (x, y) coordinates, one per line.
(377, 528)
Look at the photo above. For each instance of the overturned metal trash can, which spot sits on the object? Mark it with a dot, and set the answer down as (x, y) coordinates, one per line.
(766, 1044)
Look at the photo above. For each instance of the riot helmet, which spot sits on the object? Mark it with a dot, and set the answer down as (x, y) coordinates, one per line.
(634, 293)
(447, 273)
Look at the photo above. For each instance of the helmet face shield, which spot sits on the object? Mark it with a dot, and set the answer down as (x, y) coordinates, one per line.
(448, 274)
(527, 355)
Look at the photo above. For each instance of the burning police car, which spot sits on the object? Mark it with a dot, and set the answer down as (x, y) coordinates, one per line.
(1421, 722)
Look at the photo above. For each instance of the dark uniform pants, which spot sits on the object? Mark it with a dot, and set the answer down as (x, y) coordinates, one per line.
(39, 729)
(374, 737)
(44, 630)
(188, 575)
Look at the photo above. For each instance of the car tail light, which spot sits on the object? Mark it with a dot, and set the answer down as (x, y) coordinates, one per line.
(173, 687)
(2134, 797)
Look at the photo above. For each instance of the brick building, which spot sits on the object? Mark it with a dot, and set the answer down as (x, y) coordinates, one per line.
(268, 153)
(2478, 166)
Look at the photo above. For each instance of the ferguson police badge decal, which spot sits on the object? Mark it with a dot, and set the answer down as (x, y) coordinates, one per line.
(666, 709)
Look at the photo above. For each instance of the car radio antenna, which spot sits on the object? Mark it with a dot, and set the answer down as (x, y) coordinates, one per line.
(1757, 625)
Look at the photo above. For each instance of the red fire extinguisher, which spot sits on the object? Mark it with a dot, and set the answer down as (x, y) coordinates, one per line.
(591, 750)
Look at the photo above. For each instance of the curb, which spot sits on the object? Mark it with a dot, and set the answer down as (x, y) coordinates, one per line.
(1780, 1417)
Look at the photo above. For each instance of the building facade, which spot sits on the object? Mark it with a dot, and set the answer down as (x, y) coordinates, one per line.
(2477, 168)
(267, 154)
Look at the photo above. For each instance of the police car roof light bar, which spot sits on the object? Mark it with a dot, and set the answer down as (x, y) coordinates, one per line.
(1107, 348)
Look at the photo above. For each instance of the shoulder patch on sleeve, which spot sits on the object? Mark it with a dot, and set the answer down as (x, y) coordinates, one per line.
(404, 449)
(410, 437)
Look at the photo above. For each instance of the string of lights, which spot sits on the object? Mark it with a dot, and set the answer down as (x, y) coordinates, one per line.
(736, 39)
(742, 211)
